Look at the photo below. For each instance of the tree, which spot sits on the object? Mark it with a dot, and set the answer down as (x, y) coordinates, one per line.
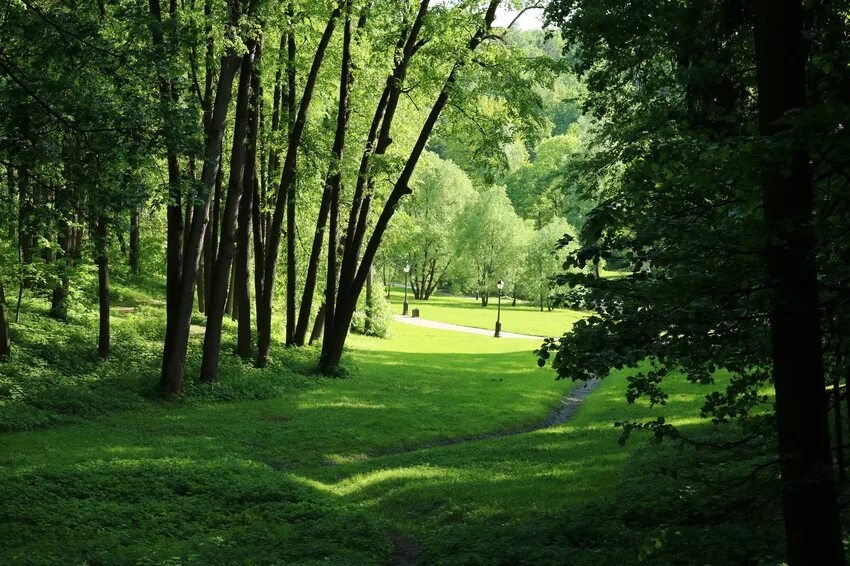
(544, 188)
(440, 192)
(341, 296)
(544, 260)
(491, 240)
(810, 504)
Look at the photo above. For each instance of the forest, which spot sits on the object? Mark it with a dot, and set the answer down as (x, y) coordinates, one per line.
(424, 282)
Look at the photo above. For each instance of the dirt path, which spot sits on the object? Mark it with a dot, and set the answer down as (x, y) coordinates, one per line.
(459, 328)
(405, 549)
(560, 415)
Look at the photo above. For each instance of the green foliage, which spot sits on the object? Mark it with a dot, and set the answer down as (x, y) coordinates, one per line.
(227, 509)
(546, 188)
(491, 242)
(54, 376)
(373, 318)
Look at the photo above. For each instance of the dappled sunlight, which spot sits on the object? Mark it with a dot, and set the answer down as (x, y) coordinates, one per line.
(343, 403)
(362, 482)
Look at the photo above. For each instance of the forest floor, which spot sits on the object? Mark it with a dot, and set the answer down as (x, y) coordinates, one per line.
(283, 466)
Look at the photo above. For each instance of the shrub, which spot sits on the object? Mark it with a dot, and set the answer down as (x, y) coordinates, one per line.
(373, 319)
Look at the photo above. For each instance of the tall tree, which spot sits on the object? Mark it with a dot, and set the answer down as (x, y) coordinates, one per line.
(285, 200)
(226, 247)
(333, 180)
(810, 503)
(353, 273)
(177, 334)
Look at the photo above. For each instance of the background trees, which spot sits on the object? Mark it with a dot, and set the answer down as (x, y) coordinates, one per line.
(491, 240)
(441, 191)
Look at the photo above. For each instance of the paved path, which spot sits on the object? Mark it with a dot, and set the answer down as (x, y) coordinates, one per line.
(458, 328)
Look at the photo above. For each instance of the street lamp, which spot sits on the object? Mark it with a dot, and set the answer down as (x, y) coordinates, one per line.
(500, 285)
(405, 306)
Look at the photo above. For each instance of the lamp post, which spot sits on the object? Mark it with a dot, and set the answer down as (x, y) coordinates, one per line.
(500, 285)
(406, 274)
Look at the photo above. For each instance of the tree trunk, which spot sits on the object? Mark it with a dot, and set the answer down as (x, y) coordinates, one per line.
(102, 259)
(212, 235)
(810, 506)
(5, 342)
(242, 285)
(377, 141)
(318, 324)
(333, 182)
(201, 286)
(174, 210)
(226, 248)
(59, 295)
(176, 342)
(135, 245)
(367, 324)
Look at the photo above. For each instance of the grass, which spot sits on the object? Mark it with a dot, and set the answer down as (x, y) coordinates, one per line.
(524, 318)
(314, 470)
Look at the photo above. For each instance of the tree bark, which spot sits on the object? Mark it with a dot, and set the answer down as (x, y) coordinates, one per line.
(367, 324)
(243, 294)
(812, 524)
(219, 294)
(5, 342)
(102, 259)
(318, 324)
(61, 289)
(174, 209)
(135, 245)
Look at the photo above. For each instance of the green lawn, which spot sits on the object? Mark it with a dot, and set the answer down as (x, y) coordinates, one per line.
(327, 470)
(523, 318)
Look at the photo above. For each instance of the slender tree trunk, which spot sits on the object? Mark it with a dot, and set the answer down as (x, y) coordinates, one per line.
(235, 187)
(201, 286)
(102, 258)
(318, 324)
(174, 356)
(249, 181)
(810, 506)
(212, 232)
(135, 245)
(59, 295)
(367, 324)
(174, 210)
(5, 342)
(232, 298)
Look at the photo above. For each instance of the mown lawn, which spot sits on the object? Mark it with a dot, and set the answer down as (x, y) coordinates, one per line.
(282, 466)
(524, 318)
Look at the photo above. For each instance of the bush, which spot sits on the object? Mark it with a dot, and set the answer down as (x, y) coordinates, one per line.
(373, 319)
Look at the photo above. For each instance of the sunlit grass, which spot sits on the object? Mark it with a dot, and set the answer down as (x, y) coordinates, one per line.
(524, 318)
(323, 469)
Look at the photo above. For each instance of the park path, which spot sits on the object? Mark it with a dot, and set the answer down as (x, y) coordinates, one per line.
(561, 414)
(458, 328)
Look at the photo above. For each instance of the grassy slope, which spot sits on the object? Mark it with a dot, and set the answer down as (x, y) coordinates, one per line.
(523, 318)
(310, 475)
